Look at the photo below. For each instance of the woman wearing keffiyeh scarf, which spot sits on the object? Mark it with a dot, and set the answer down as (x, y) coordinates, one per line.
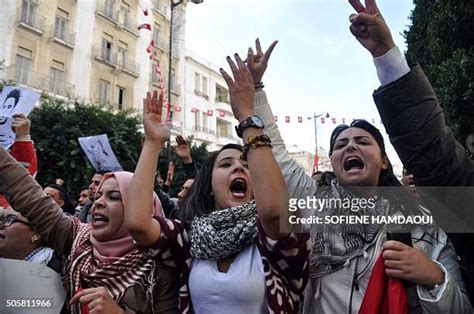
(104, 268)
(233, 253)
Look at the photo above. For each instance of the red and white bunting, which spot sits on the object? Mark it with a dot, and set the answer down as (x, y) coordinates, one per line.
(222, 114)
(210, 113)
(150, 46)
(309, 118)
(333, 120)
(322, 120)
(275, 118)
(300, 119)
(194, 110)
(177, 109)
(287, 119)
(144, 26)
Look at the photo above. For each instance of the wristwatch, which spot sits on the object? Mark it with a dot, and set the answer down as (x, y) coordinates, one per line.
(253, 121)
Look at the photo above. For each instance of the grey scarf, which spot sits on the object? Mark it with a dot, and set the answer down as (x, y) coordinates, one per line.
(224, 232)
(334, 244)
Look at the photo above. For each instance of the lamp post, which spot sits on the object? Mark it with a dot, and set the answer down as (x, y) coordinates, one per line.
(316, 134)
(173, 5)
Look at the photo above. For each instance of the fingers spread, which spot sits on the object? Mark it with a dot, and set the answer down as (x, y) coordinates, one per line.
(258, 47)
(357, 5)
(227, 78)
(269, 51)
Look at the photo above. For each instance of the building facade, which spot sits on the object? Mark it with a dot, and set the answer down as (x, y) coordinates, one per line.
(89, 50)
(207, 114)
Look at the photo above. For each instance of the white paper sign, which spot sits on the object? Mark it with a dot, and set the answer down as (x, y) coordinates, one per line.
(29, 288)
(99, 153)
(14, 99)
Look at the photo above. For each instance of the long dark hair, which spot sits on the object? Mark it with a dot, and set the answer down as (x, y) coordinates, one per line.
(200, 200)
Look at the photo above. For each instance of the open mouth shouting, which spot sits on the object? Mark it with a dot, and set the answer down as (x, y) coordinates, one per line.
(238, 188)
(99, 220)
(353, 164)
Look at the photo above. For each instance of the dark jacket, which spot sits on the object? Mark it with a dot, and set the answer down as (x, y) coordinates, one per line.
(442, 168)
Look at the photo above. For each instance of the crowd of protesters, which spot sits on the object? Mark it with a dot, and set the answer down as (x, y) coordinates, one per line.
(224, 242)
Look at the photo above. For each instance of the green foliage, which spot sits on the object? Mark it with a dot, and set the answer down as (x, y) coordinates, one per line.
(199, 154)
(56, 127)
(441, 40)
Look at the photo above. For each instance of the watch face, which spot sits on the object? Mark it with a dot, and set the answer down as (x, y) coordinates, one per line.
(257, 121)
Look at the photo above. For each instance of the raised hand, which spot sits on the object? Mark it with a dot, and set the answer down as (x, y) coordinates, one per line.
(170, 175)
(410, 264)
(370, 29)
(155, 129)
(257, 63)
(241, 89)
(182, 149)
(21, 125)
(97, 300)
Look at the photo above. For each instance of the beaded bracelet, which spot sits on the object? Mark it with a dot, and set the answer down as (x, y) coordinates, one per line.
(254, 142)
(258, 85)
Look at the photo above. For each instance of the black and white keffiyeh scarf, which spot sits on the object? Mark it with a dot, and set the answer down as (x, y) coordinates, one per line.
(222, 233)
(334, 244)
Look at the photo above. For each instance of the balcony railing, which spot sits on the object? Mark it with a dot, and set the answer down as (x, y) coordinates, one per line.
(39, 81)
(118, 18)
(110, 11)
(63, 34)
(198, 128)
(30, 20)
(116, 60)
(227, 136)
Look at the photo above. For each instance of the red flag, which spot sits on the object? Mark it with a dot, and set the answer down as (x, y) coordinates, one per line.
(315, 163)
(275, 118)
(210, 113)
(144, 26)
(333, 120)
(322, 120)
(145, 12)
(194, 110)
(177, 109)
(222, 114)
(300, 119)
(309, 118)
(150, 46)
(287, 119)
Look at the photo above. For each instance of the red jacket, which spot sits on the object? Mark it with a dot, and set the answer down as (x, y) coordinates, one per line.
(25, 153)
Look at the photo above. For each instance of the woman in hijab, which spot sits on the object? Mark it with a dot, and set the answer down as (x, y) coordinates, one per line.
(105, 270)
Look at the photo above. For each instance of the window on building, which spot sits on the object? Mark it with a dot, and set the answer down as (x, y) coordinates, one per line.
(22, 69)
(125, 13)
(109, 8)
(104, 87)
(28, 12)
(222, 128)
(174, 80)
(120, 97)
(197, 82)
(197, 121)
(158, 5)
(60, 28)
(56, 83)
(204, 85)
(122, 52)
(222, 94)
(204, 120)
(157, 35)
(154, 75)
(106, 53)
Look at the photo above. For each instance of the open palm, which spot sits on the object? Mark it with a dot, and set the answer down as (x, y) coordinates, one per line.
(155, 129)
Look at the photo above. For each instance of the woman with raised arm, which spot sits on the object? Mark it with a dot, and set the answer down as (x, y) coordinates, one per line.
(105, 271)
(233, 254)
(344, 256)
